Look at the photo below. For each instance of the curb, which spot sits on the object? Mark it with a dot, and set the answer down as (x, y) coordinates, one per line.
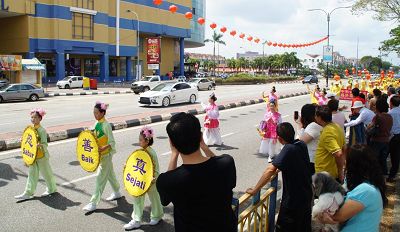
(15, 143)
(86, 93)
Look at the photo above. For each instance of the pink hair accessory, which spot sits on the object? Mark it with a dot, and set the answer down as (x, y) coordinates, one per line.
(147, 132)
(40, 111)
(103, 105)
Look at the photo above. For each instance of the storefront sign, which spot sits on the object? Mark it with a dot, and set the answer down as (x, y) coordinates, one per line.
(345, 94)
(153, 66)
(153, 50)
(10, 63)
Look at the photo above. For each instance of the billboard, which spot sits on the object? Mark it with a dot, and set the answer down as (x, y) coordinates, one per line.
(10, 63)
(153, 50)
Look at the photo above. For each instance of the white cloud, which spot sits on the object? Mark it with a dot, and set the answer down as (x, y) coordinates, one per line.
(289, 21)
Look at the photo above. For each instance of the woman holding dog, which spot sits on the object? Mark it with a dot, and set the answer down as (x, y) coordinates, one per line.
(363, 207)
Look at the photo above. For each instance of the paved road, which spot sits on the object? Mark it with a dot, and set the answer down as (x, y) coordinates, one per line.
(65, 110)
(62, 212)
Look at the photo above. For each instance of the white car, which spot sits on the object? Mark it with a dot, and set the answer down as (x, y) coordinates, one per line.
(70, 82)
(201, 83)
(166, 94)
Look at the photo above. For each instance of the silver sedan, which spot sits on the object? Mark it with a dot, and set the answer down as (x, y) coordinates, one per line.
(21, 92)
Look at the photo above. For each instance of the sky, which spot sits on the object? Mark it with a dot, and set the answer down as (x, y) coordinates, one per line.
(289, 21)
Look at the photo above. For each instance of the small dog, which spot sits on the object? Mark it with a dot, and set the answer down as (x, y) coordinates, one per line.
(330, 196)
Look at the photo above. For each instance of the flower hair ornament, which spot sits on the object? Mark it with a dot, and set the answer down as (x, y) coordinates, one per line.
(103, 105)
(40, 111)
(212, 95)
(147, 132)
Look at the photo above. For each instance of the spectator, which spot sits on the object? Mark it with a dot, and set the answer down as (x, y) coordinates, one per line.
(310, 132)
(197, 207)
(379, 140)
(329, 153)
(372, 103)
(363, 207)
(293, 162)
(395, 140)
(337, 116)
(356, 96)
(365, 115)
(391, 91)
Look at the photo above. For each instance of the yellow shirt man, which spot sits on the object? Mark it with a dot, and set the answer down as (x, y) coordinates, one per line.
(331, 141)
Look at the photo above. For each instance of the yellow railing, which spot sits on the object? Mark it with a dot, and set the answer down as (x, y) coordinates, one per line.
(260, 215)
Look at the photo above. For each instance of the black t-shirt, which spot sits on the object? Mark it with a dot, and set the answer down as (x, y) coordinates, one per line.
(201, 194)
(294, 162)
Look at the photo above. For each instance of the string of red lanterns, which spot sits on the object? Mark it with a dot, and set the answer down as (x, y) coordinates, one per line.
(189, 15)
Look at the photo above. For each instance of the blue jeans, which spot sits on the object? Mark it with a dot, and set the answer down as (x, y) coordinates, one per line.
(382, 152)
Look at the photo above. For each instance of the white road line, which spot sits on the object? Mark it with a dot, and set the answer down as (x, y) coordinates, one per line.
(8, 123)
(78, 180)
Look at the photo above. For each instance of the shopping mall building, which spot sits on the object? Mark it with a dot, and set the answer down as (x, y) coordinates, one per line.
(98, 38)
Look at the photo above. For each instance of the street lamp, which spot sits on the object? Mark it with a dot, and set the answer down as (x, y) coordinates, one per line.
(137, 42)
(328, 18)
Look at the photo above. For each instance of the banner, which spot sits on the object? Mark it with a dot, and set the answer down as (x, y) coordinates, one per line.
(10, 63)
(345, 94)
(328, 54)
(153, 50)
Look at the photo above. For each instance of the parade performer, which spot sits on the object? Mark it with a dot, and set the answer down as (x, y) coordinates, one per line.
(269, 142)
(41, 163)
(270, 96)
(146, 140)
(335, 89)
(363, 85)
(314, 99)
(211, 134)
(321, 96)
(103, 132)
(350, 82)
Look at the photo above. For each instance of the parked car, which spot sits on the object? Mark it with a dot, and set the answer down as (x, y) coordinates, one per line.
(181, 79)
(70, 82)
(147, 83)
(310, 79)
(21, 92)
(201, 83)
(200, 75)
(166, 94)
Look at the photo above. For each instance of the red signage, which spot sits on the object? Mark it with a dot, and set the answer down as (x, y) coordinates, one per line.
(153, 50)
(345, 94)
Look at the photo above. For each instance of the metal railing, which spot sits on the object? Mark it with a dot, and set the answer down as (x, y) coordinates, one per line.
(260, 215)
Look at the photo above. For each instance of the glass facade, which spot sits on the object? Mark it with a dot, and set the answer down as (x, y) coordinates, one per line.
(197, 30)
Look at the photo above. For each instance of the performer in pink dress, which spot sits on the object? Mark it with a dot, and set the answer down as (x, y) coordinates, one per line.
(211, 134)
(321, 96)
(269, 142)
(271, 96)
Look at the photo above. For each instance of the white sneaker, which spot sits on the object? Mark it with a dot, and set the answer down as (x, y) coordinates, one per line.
(23, 196)
(90, 207)
(154, 222)
(132, 225)
(47, 193)
(114, 196)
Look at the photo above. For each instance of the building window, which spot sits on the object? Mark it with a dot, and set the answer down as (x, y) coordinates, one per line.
(122, 67)
(86, 4)
(113, 66)
(194, 11)
(92, 67)
(82, 26)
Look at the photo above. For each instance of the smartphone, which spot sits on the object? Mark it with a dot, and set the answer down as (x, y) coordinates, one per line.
(296, 115)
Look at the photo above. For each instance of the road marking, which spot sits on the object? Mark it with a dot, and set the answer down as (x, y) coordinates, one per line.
(56, 117)
(8, 123)
(78, 180)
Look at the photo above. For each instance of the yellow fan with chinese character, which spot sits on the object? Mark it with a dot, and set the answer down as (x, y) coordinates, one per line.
(29, 145)
(87, 151)
(138, 173)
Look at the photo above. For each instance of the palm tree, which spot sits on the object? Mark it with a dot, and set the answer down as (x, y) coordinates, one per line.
(216, 39)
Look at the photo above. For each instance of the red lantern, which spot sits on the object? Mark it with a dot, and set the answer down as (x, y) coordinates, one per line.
(250, 38)
(257, 40)
(233, 33)
(284, 45)
(223, 29)
(269, 43)
(368, 76)
(201, 21)
(213, 25)
(189, 15)
(359, 73)
(382, 74)
(157, 2)
(279, 44)
(274, 44)
(173, 8)
(242, 36)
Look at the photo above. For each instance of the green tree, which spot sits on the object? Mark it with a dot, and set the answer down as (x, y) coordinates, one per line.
(384, 10)
(392, 44)
(216, 39)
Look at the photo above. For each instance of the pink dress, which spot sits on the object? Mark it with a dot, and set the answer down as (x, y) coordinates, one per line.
(322, 100)
(211, 135)
(271, 96)
(269, 144)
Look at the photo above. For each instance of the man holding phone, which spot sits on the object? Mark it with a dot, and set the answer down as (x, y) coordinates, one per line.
(201, 188)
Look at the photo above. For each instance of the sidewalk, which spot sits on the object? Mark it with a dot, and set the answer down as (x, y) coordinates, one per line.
(12, 140)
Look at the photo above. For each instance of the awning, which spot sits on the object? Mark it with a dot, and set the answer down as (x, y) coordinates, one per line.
(32, 64)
